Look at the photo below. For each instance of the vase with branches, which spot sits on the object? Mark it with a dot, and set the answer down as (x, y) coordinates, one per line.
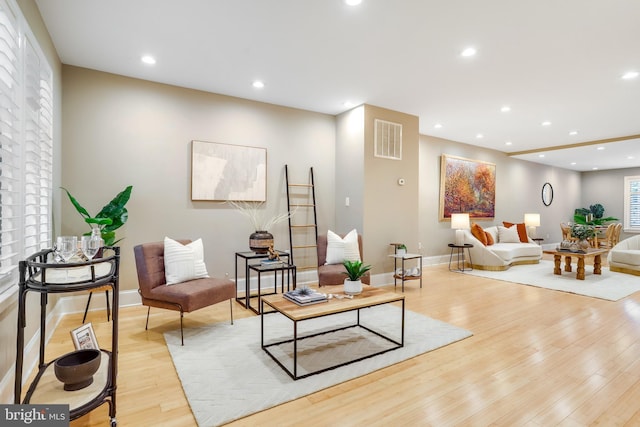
(261, 239)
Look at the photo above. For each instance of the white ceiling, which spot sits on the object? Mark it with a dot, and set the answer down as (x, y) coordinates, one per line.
(560, 61)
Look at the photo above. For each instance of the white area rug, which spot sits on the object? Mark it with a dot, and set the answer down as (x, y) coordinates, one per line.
(226, 375)
(609, 285)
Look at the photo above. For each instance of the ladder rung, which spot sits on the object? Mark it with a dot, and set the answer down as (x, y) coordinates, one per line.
(300, 185)
(302, 226)
(305, 246)
(303, 206)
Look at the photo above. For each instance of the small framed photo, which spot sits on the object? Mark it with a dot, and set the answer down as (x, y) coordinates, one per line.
(84, 337)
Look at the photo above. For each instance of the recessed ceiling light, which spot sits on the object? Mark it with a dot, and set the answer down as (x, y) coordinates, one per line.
(595, 168)
(541, 155)
(573, 163)
(505, 109)
(630, 75)
(470, 51)
(546, 123)
(600, 148)
(258, 84)
(437, 126)
(479, 136)
(352, 2)
(508, 143)
(148, 59)
(573, 132)
(630, 157)
(348, 104)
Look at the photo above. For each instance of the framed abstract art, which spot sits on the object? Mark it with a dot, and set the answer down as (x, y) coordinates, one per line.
(228, 172)
(467, 186)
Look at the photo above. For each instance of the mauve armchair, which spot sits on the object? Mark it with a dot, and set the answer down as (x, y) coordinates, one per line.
(334, 274)
(183, 297)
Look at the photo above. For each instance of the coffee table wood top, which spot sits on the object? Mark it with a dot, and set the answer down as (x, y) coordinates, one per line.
(370, 296)
(588, 253)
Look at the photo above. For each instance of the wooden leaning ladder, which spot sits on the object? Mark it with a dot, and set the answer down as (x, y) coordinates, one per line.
(300, 199)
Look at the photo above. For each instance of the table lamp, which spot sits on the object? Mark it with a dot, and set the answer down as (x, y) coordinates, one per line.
(532, 220)
(460, 222)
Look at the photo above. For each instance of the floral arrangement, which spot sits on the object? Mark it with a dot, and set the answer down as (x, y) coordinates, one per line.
(256, 213)
(582, 232)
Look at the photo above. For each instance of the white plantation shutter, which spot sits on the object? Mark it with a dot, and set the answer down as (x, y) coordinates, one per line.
(38, 149)
(26, 144)
(632, 203)
(9, 145)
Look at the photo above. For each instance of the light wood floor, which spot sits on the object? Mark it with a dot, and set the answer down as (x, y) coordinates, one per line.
(537, 358)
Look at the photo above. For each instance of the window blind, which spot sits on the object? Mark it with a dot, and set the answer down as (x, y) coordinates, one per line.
(26, 144)
(632, 203)
(9, 145)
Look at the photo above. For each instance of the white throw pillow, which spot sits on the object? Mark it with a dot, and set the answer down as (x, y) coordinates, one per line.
(508, 235)
(183, 262)
(342, 249)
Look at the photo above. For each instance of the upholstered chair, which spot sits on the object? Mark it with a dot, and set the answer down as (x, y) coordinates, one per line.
(334, 274)
(183, 297)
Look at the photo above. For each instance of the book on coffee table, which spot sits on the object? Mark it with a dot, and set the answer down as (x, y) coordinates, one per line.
(305, 299)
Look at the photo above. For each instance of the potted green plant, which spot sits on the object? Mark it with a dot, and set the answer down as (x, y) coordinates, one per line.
(401, 249)
(354, 271)
(594, 215)
(111, 217)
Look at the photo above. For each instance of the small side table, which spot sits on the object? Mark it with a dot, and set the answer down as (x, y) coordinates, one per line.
(403, 276)
(459, 249)
(250, 257)
(260, 269)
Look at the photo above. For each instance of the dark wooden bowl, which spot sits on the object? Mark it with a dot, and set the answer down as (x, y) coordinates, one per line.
(76, 369)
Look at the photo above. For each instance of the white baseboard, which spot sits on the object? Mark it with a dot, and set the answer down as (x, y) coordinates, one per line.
(77, 303)
(311, 277)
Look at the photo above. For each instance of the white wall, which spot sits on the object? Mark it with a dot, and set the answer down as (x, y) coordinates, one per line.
(349, 171)
(120, 131)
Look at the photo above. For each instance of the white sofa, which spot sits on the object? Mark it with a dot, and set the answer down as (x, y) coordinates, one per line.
(625, 256)
(500, 256)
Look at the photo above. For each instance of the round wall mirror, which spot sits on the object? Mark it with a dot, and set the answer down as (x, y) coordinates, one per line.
(547, 194)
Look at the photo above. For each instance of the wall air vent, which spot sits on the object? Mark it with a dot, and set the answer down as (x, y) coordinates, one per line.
(387, 139)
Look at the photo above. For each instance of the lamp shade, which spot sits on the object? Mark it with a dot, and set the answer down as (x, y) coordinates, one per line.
(532, 219)
(460, 221)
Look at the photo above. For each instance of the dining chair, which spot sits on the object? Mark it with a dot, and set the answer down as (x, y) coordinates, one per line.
(566, 232)
(612, 236)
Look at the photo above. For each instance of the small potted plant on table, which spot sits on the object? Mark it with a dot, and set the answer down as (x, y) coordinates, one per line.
(355, 271)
